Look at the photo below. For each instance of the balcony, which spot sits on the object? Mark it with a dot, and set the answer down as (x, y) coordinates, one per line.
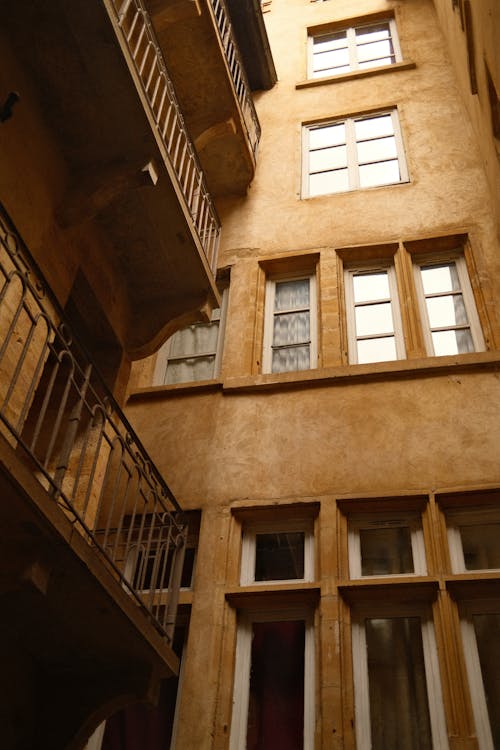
(199, 45)
(93, 539)
(94, 73)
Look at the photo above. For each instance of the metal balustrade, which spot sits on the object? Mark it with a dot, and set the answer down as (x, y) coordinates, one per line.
(132, 23)
(237, 72)
(56, 412)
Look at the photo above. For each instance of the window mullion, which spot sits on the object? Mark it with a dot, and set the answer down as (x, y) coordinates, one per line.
(352, 154)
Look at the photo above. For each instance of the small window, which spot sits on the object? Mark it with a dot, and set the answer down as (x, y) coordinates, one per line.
(473, 536)
(374, 325)
(193, 353)
(354, 48)
(290, 339)
(273, 703)
(277, 553)
(354, 153)
(480, 623)
(451, 323)
(386, 545)
(398, 698)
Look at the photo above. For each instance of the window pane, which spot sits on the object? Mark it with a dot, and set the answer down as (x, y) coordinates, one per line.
(276, 700)
(383, 173)
(331, 59)
(375, 63)
(291, 328)
(380, 148)
(377, 350)
(329, 135)
(446, 311)
(192, 369)
(330, 41)
(279, 556)
(480, 546)
(375, 50)
(372, 319)
(452, 342)
(386, 551)
(290, 295)
(372, 33)
(329, 182)
(290, 359)
(373, 127)
(487, 628)
(196, 339)
(399, 710)
(371, 286)
(440, 278)
(328, 158)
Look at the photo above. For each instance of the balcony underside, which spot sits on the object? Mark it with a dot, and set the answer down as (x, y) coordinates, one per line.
(75, 647)
(196, 61)
(118, 176)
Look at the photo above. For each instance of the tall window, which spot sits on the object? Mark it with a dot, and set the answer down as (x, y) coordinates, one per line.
(398, 696)
(373, 317)
(357, 152)
(354, 48)
(273, 704)
(447, 305)
(193, 353)
(290, 324)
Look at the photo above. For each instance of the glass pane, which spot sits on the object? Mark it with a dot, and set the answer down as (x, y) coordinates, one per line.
(375, 50)
(279, 556)
(328, 135)
(377, 63)
(380, 148)
(446, 311)
(291, 328)
(371, 286)
(452, 342)
(373, 127)
(330, 41)
(328, 158)
(487, 628)
(372, 319)
(377, 350)
(329, 182)
(190, 370)
(399, 709)
(290, 295)
(386, 551)
(331, 59)
(372, 33)
(196, 339)
(276, 700)
(383, 173)
(480, 546)
(442, 278)
(291, 359)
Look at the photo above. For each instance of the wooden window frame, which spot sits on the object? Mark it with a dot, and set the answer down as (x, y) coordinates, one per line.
(471, 516)
(248, 549)
(352, 158)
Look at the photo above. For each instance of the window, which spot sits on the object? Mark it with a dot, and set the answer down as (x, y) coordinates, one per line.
(398, 700)
(480, 624)
(473, 535)
(193, 353)
(386, 545)
(290, 324)
(374, 325)
(447, 307)
(273, 703)
(277, 553)
(354, 48)
(357, 152)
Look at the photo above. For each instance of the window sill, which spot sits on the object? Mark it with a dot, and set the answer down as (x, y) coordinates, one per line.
(346, 374)
(411, 588)
(274, 595)
(353, 75)
(199, 386)
(480, 585)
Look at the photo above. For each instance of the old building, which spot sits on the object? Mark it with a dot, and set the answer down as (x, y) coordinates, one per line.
(335, 429)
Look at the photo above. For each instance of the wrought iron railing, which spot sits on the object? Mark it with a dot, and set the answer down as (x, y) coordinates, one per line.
(56, 412)
(133, 26)
(237, 72)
